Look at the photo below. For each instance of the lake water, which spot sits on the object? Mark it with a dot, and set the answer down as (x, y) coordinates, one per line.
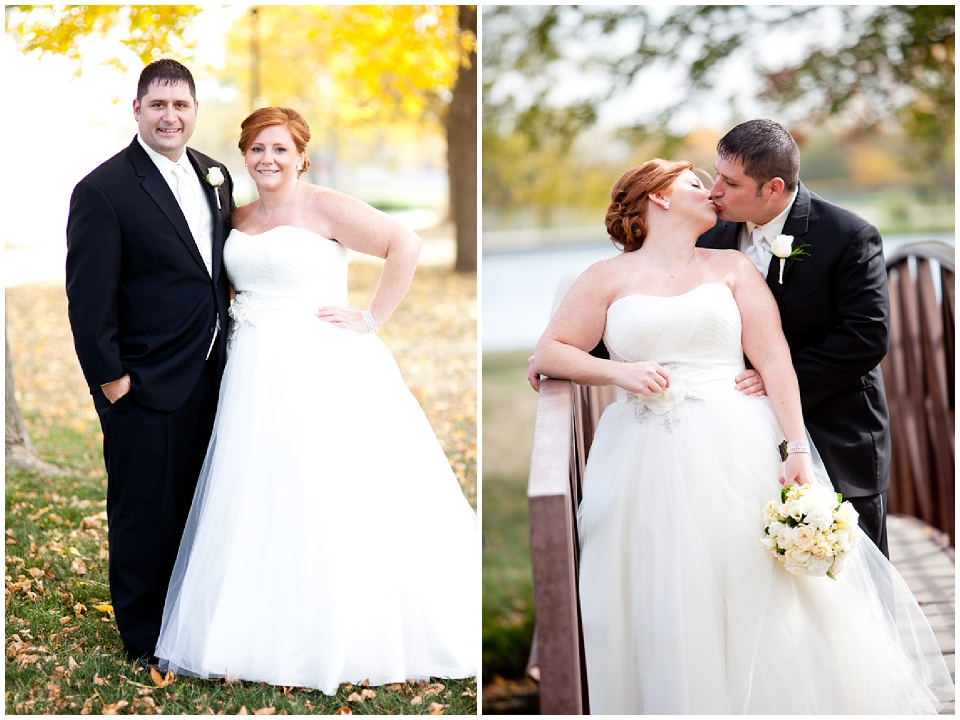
(519, 287)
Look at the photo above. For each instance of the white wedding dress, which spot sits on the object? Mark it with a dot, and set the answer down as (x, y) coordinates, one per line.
(684, 611)
(329, 540)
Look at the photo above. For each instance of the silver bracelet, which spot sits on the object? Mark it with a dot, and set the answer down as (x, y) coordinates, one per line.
(800, 446)
(370, 321)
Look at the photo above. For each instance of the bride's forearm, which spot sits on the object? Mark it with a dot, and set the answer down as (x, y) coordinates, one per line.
(559, 360)
(780, 381)
(398, 268)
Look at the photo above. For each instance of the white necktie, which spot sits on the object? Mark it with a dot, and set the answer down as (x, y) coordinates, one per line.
(756, 252)
(187, 199)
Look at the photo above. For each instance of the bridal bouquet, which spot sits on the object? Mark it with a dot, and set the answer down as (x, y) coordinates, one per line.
(810, 530)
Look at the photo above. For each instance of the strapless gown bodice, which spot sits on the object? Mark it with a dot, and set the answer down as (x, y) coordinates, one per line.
(697, 334)
(286, 268)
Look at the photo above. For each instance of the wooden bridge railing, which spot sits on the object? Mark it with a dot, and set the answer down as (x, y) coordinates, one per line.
(919, 378)
(918, 373)
(567, 415)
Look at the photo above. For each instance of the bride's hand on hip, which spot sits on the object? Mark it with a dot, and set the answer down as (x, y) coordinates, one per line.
(343, 318)
(798, 469)
(646, 378)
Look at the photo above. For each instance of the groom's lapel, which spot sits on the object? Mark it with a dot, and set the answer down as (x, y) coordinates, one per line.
(156, 187)
(797, 222)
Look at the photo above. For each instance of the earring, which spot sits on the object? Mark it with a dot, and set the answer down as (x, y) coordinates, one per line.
(666, 205)
(244, 164)
(300, 167)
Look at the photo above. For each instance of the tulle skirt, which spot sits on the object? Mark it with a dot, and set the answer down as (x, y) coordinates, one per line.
(684, 611)
(328, 540)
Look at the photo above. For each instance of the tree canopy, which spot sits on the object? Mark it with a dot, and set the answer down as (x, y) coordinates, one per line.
(882, 63)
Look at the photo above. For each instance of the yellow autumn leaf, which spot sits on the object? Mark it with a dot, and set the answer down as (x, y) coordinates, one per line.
(104, 608)
(162, 680)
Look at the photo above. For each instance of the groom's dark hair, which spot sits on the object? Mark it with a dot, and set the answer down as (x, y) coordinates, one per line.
(765, 150)
(165, 72)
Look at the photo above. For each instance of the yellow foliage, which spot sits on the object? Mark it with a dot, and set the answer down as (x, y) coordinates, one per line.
(351, 65)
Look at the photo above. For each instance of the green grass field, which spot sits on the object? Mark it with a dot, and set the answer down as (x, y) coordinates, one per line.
(509, 411)
(63, 651)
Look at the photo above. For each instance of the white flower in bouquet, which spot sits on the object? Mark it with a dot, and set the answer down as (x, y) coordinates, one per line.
(810, 530)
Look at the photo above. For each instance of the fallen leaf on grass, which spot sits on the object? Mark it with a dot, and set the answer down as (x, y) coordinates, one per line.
(54, 690)
(114, 707)
(103, 608)
(39, 512)
(354, 697)
(97, 680)
(36, 572)
(65, 620)
(72, 664)
(162, 680)
(344, 711)
(87, 707)
(417, 699)
(25, 659)
(265, 711)
(78, 567)
(394, 687)
(436, 708)
(243, 710)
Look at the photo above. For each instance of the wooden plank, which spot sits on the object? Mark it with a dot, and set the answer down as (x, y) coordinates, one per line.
(552, 553)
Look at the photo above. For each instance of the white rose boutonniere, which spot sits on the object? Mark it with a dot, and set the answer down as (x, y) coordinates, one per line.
(215, 180)
(782, 247)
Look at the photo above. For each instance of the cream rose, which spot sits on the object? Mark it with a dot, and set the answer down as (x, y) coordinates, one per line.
(215, 177)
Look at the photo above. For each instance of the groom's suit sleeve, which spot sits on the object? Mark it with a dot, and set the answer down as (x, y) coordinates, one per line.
(858, 336)
(93, 282)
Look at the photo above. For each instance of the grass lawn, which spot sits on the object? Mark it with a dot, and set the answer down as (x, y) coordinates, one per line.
(63, 651)
(509, 411)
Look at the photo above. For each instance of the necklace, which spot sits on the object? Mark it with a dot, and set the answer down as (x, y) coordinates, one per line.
(675, 272)
(278, 210)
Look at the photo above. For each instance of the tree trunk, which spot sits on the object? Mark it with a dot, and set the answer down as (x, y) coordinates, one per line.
(462, 151)
(19, 449)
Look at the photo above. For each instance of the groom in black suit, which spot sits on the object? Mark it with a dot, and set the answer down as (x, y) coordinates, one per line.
(148, 303)
(833, 304)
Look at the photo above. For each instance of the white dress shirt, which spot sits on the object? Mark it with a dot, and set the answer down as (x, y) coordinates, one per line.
(770, 230)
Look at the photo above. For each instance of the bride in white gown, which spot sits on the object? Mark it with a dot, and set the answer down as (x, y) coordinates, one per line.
(324, 489)
(684, 611)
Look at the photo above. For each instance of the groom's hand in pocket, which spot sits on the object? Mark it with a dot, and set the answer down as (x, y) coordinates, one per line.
(117, 388)
(750, 383)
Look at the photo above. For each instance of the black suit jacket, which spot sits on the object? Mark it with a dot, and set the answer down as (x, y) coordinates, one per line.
(139, 296)
(835, 313)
